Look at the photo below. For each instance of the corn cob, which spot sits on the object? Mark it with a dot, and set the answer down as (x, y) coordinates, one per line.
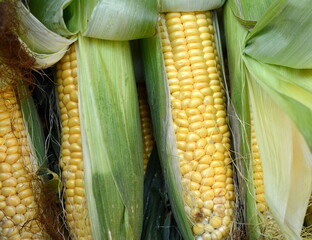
(71, 149)
(18, 209)
(199, 115)
(146, 124)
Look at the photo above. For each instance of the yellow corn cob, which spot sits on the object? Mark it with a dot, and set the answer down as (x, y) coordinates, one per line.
(257, 172)
(146, 124)
(71, 148)
(198, 110)
(18, 209)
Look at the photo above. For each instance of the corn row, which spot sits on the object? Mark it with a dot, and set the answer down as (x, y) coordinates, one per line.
(200, 122)
(146, 124)
(18, 208)
(71, 148)
(257, 172)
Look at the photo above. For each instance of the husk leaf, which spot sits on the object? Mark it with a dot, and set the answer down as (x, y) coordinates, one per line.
(188, 5)
(280, 97)
(111, 135)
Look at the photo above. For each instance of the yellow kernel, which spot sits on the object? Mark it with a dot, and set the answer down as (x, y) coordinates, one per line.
(73, 113)
(28, 200)
(191, 146)
(208, 195)
(181, 145)
(196, 177)
(202, 167)
(79, 191)
(78, 199)
(210, 149)
(21, 209)
(192, 137)
(13, 149)
(79, 183)
(218, 192)
(4, 176)
(12, 158)
(220, 178)
(206, 159)
(70, 184)
(215, 222)
(5, 168)
(9, 211)
(25, 193)
(10, 182)
(2, 156)
(70, 192)
(208, 181)
(71, 105)
(18, 218)
(198, 229)
(188, 156)
(198, 153)
(13, 200)
(209, 172)
(75, 147)
(2, 205)
(20, 173)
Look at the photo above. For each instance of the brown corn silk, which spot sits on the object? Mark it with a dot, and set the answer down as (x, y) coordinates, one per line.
(198, 108)
(71, 149)
(146, 124)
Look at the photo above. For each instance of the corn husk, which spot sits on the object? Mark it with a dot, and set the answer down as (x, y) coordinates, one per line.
(111, 20)
(188, 5)
(44, 45)
(275, 81)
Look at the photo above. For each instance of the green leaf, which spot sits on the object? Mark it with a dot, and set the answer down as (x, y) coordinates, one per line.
(188, 5)
(60, 16)
(119, 19)
(33, 125)
(44, 45)
(283, 35)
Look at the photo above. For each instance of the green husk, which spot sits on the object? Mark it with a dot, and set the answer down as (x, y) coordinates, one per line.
(119, 19)
(158, 220)
(33, 126)
(44, 45)
(271, 80)
(111, 20)
(111, 135)
(188, 5)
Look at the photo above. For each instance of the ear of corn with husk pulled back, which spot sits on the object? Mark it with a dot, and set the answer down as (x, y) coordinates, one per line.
(271, 80)
(102, 155)
(187, 97)
(102, 163)
(22, 144)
